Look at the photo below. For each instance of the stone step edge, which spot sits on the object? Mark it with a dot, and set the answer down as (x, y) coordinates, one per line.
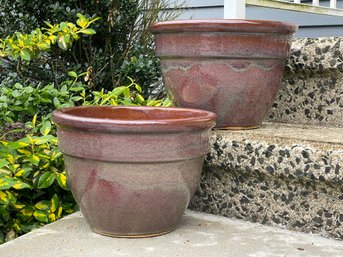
(295, 151)
(316, 54)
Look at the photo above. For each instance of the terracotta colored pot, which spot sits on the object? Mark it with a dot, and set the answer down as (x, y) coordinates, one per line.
(133, 170)
(231, 67)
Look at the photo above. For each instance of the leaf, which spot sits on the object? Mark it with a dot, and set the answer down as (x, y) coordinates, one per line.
(57, 103)
(3, 163)
(19, 206)
(81, 16)
(34, 120)
(43, 46)
(127, 92)
(41, 216)
(167, 102)
(18, 86)
(54, 203)
(17, 144)
(26, 212)
(72, 74)
(64, 88)
(43, 205)
(139, 89)
(52, 217)
(118, 90)
(88, 31)
(17, 225)
(48, 24)
(61, 43)
(66, 38)
(21, 185)
(45, 139)
(59, 212)
(24, 151)
(20, 173)
(76, 89)
(7, 183)
(34, 159)
(82, 23)
(46, 180)
(25, 55)
(140, 98)
(11, 197)
(3, 198)
(68, 207)
(62, 180)
(45, 129)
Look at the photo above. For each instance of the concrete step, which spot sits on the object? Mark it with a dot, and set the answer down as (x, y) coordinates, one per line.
(312, 91)
(281, 175)
(198, 235)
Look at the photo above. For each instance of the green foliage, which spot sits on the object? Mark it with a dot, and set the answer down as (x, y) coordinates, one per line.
(27, 46)
(19, 50)
(130, 95)
(122, 46)
(19, 102)
(121, 69)
(33, 183)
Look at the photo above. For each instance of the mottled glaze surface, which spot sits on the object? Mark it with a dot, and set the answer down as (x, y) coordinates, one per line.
(231, 67)
(133, 170)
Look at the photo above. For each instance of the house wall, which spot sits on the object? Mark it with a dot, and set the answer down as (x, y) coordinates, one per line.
(310, 25)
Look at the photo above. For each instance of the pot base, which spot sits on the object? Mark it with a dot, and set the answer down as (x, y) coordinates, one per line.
(238, 128)
(103, 233)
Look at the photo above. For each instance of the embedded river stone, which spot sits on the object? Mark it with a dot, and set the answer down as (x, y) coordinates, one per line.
(281, 175)
(312, 87)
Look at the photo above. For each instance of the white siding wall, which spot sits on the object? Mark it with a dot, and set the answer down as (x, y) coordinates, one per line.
(311, 25)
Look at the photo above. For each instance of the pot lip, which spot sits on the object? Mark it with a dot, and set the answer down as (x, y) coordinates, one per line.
(224, 25)
(204, 120)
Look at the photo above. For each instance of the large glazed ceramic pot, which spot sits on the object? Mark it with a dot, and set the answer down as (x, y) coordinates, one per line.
(133, 170)
(231, 67)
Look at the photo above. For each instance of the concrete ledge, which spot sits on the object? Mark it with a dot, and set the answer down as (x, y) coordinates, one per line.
(197, 235)
(280, 175)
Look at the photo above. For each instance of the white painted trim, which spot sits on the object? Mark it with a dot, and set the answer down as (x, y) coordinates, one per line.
(333, 3)
(234, 9)
(307, 8)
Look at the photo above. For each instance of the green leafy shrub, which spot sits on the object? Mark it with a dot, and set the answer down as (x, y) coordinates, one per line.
(130, 95)
(21, 102)
(32, 54)
(33, 186)
(33, 183)
(122, 47)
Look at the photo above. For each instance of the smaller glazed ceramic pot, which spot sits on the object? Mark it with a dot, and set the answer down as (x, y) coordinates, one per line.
(233, 68)
(133, 170)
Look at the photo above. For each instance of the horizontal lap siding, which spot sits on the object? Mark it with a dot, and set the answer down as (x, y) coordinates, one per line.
(311, 25)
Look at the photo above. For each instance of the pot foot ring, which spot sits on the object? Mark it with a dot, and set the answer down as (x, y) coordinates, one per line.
(238, 128)
(104, 233)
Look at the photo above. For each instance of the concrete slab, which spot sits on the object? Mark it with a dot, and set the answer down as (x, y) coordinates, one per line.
(198, 235)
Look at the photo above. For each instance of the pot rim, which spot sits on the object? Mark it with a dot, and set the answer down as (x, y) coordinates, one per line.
(200, 119)
(224, 25)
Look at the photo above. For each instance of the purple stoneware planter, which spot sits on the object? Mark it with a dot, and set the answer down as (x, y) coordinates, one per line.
(133, 170)
(231, 67)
